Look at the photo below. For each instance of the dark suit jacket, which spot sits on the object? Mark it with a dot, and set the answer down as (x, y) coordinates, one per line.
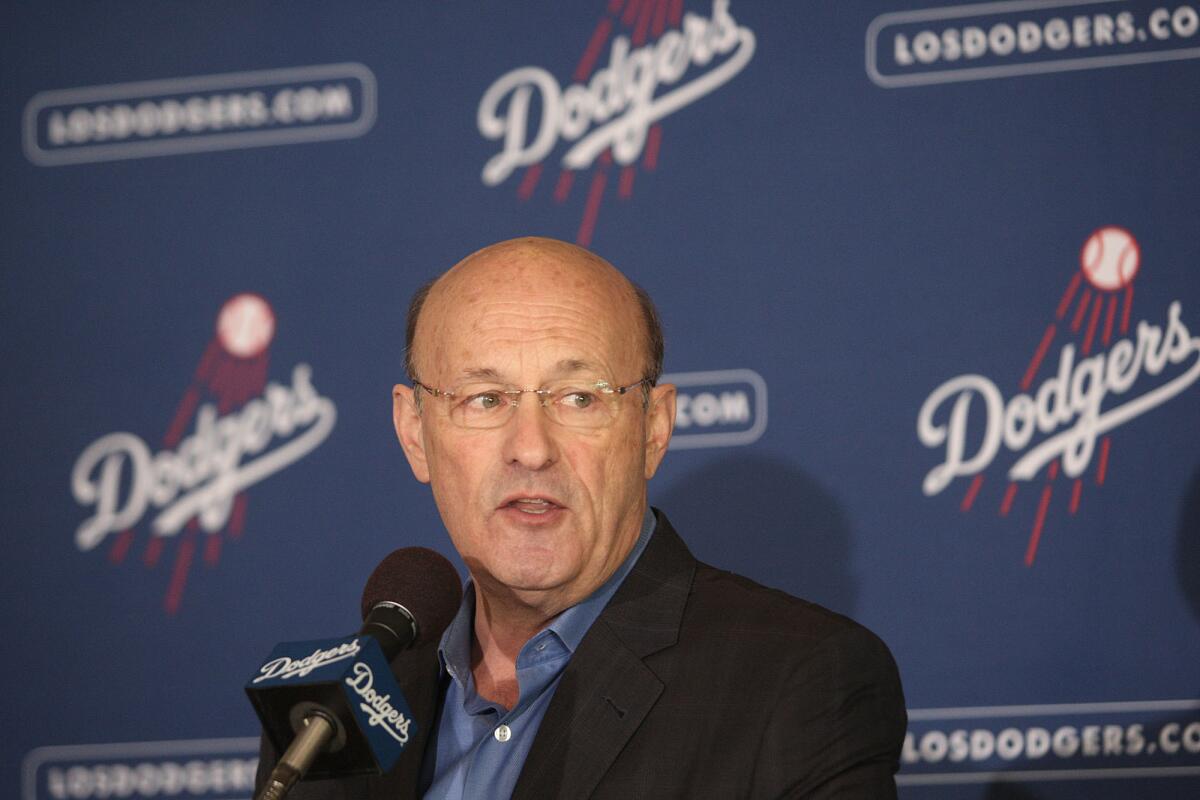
(693, 683)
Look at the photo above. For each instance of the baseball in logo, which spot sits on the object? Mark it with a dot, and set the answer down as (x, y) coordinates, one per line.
(659, 60)
(243, 429)
(1108, 371)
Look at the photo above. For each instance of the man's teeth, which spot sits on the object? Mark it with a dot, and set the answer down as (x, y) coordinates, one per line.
(533, 506)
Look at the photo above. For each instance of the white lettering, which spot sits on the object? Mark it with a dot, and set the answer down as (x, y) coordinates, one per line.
(378, 708)
(620, 98)
(152, 779)
(1073, 397)
(204, 475)
(285, 667)
(1009, 744)
(1004, 39)
(707, 409)
(954, 434)
(1035, 742)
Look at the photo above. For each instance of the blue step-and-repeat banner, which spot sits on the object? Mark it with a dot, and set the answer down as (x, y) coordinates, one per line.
(930, 277)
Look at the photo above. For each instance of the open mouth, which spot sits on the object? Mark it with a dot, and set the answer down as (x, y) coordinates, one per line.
(532, 505)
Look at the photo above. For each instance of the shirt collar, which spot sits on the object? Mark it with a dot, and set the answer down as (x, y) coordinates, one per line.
(569, 627)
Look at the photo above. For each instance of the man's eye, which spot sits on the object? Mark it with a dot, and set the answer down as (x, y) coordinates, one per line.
(577, 400)
(483, 401)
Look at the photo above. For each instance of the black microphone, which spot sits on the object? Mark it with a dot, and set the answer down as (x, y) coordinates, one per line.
(334, 703)
(410, 584)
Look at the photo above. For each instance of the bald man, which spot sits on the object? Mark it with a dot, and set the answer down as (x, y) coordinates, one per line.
(593, 656)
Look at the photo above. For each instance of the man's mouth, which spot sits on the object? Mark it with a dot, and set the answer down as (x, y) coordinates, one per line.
(532, 505)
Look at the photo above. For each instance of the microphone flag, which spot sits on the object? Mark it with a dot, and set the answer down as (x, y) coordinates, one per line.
(348, 681)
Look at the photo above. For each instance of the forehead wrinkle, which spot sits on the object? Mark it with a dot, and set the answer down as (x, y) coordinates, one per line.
(566, 367)
(582, 346)
(585, 309)
(533, 322)
(491, 350)
(528, 316)
(573, 365)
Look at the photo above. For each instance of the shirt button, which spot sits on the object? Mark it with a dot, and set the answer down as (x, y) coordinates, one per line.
(503, 733)
(541, 647)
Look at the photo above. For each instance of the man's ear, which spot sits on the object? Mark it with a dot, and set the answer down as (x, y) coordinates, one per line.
(407, 420)
(660, 422)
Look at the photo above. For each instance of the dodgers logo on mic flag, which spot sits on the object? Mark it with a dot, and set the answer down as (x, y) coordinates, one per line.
(355, 683)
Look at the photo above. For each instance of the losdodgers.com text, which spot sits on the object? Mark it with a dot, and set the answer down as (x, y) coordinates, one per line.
(1064, 742)
(1027, 37)
(152, 779)
(198, 114)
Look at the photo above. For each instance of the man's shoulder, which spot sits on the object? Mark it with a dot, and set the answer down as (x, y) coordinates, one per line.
(797, 698)
(740, 611)
(726, 609)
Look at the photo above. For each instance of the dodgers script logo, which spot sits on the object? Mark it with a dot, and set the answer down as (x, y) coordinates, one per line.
(611, 114)
(1107, 373)
(378, 707)
(286, 667)
(244, 429)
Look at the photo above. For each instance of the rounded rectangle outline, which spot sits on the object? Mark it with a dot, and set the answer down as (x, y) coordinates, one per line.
(1000, 71)
(196, 144)
(1114, 707)
(38, 756)
(1033, 775)
(685, 441)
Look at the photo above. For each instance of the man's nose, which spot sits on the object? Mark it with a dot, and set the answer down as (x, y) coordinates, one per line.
(530, 439)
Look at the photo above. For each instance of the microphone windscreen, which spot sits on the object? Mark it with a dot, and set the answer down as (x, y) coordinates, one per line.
(421, 580)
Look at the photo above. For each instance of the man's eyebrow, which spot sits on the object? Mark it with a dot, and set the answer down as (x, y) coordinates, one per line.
(574, 365)
(480, 374)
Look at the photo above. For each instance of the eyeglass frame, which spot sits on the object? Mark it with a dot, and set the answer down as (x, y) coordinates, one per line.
(512, 396)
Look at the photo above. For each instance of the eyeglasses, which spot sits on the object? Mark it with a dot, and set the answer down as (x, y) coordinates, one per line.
(587, 404)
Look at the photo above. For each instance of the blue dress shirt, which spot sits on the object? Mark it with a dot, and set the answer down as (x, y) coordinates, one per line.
(479, 747)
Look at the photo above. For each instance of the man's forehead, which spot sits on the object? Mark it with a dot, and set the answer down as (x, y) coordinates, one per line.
(471, 346)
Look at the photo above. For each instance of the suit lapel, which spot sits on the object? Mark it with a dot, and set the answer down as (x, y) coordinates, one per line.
(606, 691)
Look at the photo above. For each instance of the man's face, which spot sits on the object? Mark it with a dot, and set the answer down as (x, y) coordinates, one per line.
(540, 512)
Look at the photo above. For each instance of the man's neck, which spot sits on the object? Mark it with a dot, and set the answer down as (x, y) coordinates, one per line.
(501, 629)
(505, 619)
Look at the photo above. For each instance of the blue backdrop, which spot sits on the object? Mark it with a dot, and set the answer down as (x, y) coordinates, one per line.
(929, 282)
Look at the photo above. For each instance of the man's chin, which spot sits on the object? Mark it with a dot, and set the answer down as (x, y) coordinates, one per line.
(529, 580)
